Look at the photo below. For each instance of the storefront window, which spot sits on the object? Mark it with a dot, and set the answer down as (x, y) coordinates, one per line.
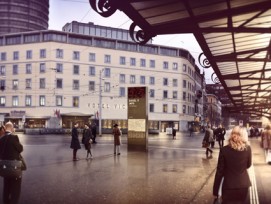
(35, 123)
(153, 125)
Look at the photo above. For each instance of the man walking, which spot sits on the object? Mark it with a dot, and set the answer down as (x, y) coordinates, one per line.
(94, 132)
(220, 132)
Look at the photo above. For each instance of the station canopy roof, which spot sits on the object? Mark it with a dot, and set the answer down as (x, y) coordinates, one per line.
(233, 34)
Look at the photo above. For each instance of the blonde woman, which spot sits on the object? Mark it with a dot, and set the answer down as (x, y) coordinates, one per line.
(233, 162)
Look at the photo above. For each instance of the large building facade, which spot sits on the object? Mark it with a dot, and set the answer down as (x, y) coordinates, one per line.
(23, 15)
(50, 79)
(214, 111)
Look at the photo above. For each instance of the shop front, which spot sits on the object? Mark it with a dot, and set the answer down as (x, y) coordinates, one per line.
(22, 121)
(68, 119)
(166, 126)
(35, 122)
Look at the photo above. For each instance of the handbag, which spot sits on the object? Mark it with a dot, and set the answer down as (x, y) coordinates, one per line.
(205, 144)
(10, 168)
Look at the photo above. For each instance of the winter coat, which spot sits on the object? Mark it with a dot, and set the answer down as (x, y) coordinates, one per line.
(12, 147)
(87, 136)
(232, 165)
(208, 137)
(219, 132)
(116, 133)
(75, 144)
(266, 139)
(93, 129)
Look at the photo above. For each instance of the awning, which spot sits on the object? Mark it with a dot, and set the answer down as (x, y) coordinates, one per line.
(233, 34)
(76, 114)
(28, 117)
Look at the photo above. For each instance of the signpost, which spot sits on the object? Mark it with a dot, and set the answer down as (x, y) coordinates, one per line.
(137, 118)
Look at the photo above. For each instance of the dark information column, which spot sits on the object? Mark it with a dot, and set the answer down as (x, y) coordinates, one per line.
(137, 118)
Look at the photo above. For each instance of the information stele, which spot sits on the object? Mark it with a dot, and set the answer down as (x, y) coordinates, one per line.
(137, 137)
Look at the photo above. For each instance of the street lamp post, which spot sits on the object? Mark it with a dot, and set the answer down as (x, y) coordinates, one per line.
(100, 103)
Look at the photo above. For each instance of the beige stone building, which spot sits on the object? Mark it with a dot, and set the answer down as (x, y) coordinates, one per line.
(50, 79)
(214, 112)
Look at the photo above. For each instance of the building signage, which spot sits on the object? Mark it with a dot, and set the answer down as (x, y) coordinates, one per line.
(17, 114)
(107, 106)
(137, 118)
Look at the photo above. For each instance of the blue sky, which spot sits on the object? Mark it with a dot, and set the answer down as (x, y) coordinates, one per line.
(64, 11)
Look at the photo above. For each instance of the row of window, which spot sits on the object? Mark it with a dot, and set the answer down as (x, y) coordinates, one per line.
(107, 59)
(28, 55)
(99, 31)
(75, 103)
(186, 109)
(91, 87)
(92, 72)
(107, 74)
(90, 41)
(186, 96)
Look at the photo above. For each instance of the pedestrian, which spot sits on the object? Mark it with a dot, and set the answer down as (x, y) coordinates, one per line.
(220, 132)
(191, 130)
(87, 140)
(94, 132)
(75, 144)
(208, 138)
(212, 143)
(116, 133)
(252, 131)
(223, 132)
(266, 142)
(10, 149)
(233, 161)
(257, 132)
(174, 133)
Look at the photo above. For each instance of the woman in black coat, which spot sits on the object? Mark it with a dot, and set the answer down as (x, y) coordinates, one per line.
(75, 144)
(233, 162)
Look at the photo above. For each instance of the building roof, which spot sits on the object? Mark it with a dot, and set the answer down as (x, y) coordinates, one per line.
(233, 34)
